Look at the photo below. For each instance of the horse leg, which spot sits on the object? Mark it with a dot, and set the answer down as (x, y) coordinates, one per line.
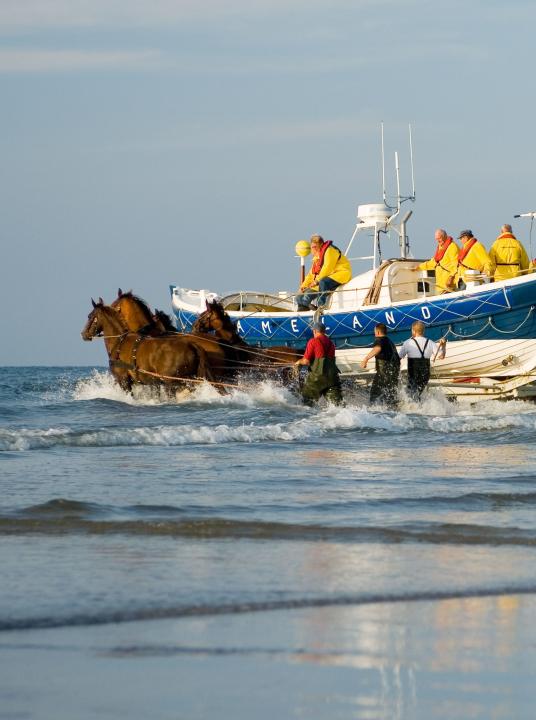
(204, 371)
(125, 383)
(122, 378)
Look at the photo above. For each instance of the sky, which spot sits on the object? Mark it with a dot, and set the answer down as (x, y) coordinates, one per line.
(145, 144)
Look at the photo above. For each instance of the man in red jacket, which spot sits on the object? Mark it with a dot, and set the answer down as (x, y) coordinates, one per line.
(323, 377)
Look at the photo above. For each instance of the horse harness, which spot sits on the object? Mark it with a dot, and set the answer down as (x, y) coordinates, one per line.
(115, 362)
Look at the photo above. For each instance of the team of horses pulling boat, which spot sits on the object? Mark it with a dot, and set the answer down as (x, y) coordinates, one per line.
(144, 347)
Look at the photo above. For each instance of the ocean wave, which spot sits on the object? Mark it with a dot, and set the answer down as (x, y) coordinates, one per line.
(298, 429)
(62, 507)
(67, 522)
(140, 614)
(59, 509)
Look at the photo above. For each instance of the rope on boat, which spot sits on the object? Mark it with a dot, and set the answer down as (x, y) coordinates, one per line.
(508, 332)
(489, 323)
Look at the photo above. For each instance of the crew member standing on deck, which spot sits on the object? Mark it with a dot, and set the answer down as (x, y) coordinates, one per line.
(444, 262)
(472, 256)
(323, 377)
(419, 349)
(384, 388)
(508, 256)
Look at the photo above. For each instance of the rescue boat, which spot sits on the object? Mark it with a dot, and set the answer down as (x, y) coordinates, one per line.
(490, 326)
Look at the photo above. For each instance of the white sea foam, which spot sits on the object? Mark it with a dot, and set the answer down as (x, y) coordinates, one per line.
(100, 385)
(318, 421)
(435, 414)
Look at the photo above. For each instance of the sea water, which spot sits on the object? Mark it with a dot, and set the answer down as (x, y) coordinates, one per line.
(242, 555)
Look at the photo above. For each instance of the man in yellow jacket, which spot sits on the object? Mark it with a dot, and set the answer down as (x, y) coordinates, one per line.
(444, 262)
(330, 269)
(508, 256)
(472, 256)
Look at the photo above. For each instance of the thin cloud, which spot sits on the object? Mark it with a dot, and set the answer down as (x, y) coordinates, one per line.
(46, 14)
(35, 14)
(42, 15)
(51, 61)
(38, 60)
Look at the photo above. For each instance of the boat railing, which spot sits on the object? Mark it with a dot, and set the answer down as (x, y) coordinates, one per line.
(345, 297)
(254, 301)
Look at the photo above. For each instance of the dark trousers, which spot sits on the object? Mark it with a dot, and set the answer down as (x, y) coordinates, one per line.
(384, 388)
(320, 297)
(322, 381)
(418, 376)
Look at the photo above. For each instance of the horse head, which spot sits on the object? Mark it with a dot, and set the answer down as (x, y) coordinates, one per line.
(215, 319)
(202, 324)
(205, 321)
(133, 310)
(93, 327)
(102, 319)
(219, 317)
(164, 321)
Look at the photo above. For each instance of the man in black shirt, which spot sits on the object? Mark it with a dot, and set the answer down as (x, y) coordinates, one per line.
(384, 388)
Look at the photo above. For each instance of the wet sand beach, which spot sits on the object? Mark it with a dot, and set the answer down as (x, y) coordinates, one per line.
(470, 657)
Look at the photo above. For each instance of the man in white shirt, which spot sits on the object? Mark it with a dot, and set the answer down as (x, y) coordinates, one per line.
(419, 350)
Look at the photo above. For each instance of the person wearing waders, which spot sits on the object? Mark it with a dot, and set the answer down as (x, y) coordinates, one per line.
(323, 376)
(419, 349)
(384, 388)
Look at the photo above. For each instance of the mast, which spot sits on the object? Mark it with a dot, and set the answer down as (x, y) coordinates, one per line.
(411, 162)
(382, 217)
(383, 170)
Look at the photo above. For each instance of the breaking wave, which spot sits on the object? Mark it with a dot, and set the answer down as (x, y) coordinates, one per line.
(295, 429)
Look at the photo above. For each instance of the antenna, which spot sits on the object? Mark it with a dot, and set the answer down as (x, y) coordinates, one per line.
(383, 168)
(530, 215)
(411, 161)
(397, 169)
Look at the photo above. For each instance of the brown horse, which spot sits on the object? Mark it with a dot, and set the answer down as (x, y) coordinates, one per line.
(165, 320)
(217, 320)
(169, 360)
(138, 318)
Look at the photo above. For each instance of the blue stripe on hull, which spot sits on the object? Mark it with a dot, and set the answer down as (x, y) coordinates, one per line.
(499, 313)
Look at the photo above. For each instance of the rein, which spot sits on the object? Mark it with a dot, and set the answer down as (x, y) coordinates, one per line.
(248, 349)
(239, 344)
(192, 380)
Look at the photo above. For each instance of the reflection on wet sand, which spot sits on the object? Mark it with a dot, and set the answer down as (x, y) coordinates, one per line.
(409, 652)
